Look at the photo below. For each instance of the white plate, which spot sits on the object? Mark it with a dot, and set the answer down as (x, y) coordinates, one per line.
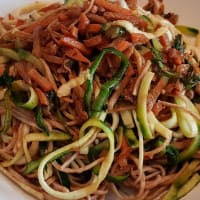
(189, 15)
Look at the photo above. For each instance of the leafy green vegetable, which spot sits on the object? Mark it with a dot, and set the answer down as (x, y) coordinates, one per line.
(178, 43)
(64, 179)
(190, 80)
(6, 80)
(40, 120)
(172, 155)
(97, 149)
(31, 166)
(157, 57)
(43, 147)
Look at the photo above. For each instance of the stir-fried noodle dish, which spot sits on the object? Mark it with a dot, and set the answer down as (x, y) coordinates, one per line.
(99, 100)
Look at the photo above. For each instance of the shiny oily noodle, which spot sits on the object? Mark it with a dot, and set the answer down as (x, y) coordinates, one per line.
(97, 96)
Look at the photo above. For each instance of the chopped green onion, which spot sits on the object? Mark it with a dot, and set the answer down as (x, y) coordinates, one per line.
(107, 87)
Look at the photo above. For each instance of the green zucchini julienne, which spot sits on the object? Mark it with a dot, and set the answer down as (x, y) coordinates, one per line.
(19, 89)
(190, 31)
(22, 54)
(127, 118)
(184, 182)
(31, 166)
(187, 123)
(131, 138)
(141, 108)
(104, 168)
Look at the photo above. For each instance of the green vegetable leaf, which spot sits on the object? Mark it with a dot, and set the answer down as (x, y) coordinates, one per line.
(6, 80)
(40, 120)
(64, 179)
(178, 43)
(157, 57)
(172, 155)
(190, 80)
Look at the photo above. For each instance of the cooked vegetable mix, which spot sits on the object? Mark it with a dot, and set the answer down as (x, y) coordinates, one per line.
(99, 96)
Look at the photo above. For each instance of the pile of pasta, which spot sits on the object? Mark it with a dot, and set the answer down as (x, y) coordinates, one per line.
(99, 100)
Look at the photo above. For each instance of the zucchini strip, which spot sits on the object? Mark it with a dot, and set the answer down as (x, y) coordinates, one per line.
(141, 109)
(105, 166)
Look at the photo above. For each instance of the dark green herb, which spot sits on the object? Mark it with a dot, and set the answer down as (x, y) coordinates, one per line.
(97, 149)
(40, 120)
(178, 43)
(157, 57)
(190, 80)
(172, 155)
(63, 179)
(6, 80)
(43, 147)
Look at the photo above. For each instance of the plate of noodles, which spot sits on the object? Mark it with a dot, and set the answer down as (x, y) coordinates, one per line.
(99, 100)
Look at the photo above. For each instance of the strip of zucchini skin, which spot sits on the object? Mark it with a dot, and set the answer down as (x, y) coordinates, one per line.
(105, 166)
(190, 31)
(22, 54)
(141, 108)
(42, 137)
(195, 144)
(184, 182)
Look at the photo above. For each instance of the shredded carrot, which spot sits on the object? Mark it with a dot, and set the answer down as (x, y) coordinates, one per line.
(42, 97)
(2, 69)
(20, 22)
(148, 55)
(74, 31)
(93, 28)
(71, 42)
(75, 54)
(122, 45)
(10, 16)
(93, 41)
(53, 59)
(62, 17)
(50, 7)
(138, 38)
(83, 23)
(156, 91)
(44, 22)
(125, 149)
(40, 80)
(113, 7)
(97, 18)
